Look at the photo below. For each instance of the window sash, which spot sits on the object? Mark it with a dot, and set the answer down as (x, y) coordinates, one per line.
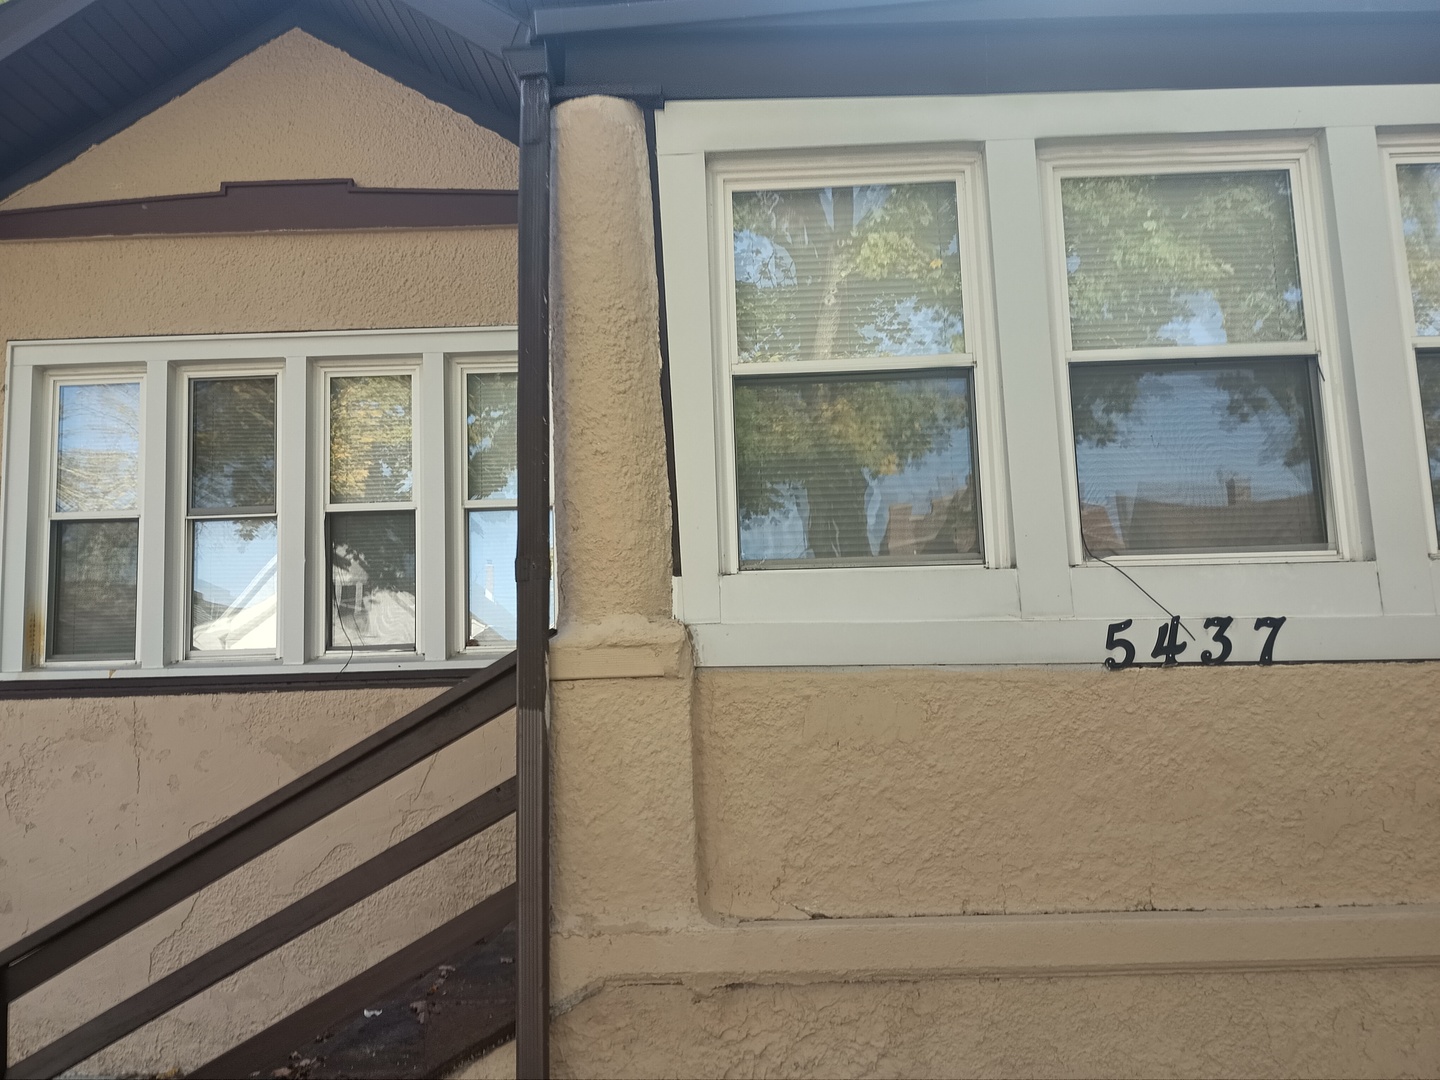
(1299, 159)
(861, 167)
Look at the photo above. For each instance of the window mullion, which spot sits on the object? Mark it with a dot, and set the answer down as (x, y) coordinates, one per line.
(155, 534)
(432, 599)
(1039, 493)
(26, 420)
(1383, 369)
(292, 506)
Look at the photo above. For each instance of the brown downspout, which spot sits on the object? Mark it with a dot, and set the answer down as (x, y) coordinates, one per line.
(532, 572)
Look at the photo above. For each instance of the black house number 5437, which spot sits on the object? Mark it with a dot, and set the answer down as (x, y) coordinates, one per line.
(1168, 645)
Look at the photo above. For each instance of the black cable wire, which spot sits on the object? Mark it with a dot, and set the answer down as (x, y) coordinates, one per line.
(1119, 570)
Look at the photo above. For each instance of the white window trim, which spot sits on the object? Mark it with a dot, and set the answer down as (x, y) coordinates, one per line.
(959, 166)
(1374, 597)
(164, 365)
(1409, 150)
(1300, 159)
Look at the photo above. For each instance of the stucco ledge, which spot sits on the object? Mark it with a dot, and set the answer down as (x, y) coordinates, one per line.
(851, 950)
(622, 647)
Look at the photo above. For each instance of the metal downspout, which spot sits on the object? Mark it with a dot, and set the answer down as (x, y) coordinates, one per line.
(532, 571)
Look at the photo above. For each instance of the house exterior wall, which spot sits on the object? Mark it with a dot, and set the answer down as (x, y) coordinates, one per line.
(1013, 871)
(96, 788)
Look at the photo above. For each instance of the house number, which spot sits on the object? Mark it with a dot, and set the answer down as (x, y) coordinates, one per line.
(1168, 645)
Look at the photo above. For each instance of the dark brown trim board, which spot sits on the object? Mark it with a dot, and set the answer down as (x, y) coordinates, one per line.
(267, 206)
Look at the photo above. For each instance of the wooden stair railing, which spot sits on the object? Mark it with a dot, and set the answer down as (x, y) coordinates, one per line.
(40, 956)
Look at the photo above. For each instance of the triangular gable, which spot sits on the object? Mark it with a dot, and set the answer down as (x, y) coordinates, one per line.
(295, 108)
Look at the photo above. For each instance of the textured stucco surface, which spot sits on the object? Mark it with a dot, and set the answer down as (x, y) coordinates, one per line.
(623, 844)
(949, 792)
(95, 789)
(1316, 1023)
(294, 109)
(700, 816)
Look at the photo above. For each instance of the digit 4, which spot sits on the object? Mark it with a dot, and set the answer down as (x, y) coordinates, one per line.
(1167, 642)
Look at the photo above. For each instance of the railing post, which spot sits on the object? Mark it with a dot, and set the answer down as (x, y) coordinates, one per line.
(532, 572)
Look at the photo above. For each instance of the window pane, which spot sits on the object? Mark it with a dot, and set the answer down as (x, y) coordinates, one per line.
(1429, 365)
(492, 578)
(490, 416)
(92, 609)
(232, 443)
(232, 602)
(1197, 259)
(1420, 222)
(372, 580)
(827, 273)
(1205, 457)
(97, 448)
(370, 441)
(856, 469)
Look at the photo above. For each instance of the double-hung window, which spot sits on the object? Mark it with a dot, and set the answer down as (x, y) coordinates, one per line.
(248, 502)
(1417, 180)
(1192, 323)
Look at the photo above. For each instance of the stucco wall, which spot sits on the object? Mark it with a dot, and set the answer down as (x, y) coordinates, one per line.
(294, 109)
(94, 789)
(778, 872)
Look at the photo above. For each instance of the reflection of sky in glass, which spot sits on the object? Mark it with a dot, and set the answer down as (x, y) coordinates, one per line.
(98, 448)
(1180, 445)
(490, 431)
(492, 592)
(911, 493)
(1420, 223)
(905, 327)
(234, 585)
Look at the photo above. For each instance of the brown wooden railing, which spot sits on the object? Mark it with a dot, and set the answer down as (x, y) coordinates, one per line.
(255, 830)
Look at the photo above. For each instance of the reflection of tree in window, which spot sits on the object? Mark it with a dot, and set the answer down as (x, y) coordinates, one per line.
(490, 419)
(370, 438)
(1420, 224)
(1204, 258)
(98, 447)
(832, 438)
(839, 272)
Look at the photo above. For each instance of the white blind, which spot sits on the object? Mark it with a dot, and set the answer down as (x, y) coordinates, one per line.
(1420, 222)
(1185, 259)
(845, 272)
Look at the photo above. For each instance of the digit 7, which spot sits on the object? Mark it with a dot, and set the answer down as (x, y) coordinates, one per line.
(1267, 651)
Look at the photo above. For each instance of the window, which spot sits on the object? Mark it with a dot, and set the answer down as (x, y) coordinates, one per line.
(854, 363)
(1193, 369)
(1417, 175)
(254, 501)
(1153, 369)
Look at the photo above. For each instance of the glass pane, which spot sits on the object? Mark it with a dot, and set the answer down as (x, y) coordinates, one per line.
(1429, 365)
(834, 272)
(97, 448)
(856, 469)
(492, 578)
(370, 442)
(92, 582)
(232, 600)
(372, 580)
(232, 443)
(490, 416)
(1197, 458)
(1194, 259)
(1420, 223)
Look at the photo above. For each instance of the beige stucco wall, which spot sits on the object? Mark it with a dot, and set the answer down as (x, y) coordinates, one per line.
(94, 789)
(1048, 871)
(294, 109)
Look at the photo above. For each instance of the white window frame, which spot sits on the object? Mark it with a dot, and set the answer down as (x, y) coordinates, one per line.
(1300, 160)
(759, 593)
(1374, 596)
(181, 540)
(1409, 150)
(459, 485)
(164, 367)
